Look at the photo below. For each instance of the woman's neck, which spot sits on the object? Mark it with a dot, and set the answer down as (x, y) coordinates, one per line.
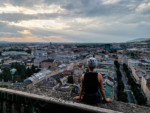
(91, 70)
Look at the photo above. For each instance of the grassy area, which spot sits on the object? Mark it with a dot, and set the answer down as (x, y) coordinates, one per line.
(108, 91)
(4, 85)
(104, 70)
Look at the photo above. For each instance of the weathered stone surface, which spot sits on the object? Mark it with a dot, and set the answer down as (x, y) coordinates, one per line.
(115, 105)
(125, 107)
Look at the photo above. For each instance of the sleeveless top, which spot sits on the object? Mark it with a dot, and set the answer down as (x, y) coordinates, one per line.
(90, 83)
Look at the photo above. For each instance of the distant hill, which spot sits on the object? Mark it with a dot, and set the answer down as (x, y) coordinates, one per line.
(147, 41)
(4, 42)
(140, 40)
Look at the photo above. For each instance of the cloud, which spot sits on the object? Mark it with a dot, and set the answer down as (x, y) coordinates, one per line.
(20, 39)
(143, 8)
(14, 17)
(106, 2)
(36, 9)
(74, 21)
(42, 24)
(9, 31)
(26, 3)
(25, 32)
(55, 39)
(36, 39)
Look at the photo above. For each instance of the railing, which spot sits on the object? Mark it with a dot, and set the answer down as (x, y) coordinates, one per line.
(12, 101)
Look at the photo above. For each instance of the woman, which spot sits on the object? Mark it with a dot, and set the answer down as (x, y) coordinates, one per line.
(92, 85)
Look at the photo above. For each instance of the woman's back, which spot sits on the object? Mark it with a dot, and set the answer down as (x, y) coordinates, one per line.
(90, 83)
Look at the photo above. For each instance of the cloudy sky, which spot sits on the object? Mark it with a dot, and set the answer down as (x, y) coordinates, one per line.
(74, 20)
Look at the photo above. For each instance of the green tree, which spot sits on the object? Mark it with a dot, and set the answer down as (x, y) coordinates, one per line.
(132, 55)
(28, 51)
(29, 72)
(6, 75)
(17, 78)
(122, 96)
(117, 64)
(33, 69)
(12, 65)
(70, 79)
(21, 71)
(1, 76)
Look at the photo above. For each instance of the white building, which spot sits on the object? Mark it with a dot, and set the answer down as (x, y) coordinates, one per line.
(39, 76)
(145, 84)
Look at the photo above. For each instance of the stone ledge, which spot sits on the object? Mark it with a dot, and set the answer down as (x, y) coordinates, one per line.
(59, 101)
(65, 98)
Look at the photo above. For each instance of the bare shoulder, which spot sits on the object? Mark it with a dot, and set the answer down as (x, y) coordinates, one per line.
(83, 74)
(82, 77)
(99, 77)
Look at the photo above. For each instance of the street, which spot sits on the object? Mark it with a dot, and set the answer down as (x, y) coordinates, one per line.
(131, 98)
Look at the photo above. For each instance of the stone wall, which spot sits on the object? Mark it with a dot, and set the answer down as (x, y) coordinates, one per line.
(64, 100)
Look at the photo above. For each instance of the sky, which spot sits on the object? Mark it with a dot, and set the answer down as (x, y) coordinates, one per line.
(100, 21)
